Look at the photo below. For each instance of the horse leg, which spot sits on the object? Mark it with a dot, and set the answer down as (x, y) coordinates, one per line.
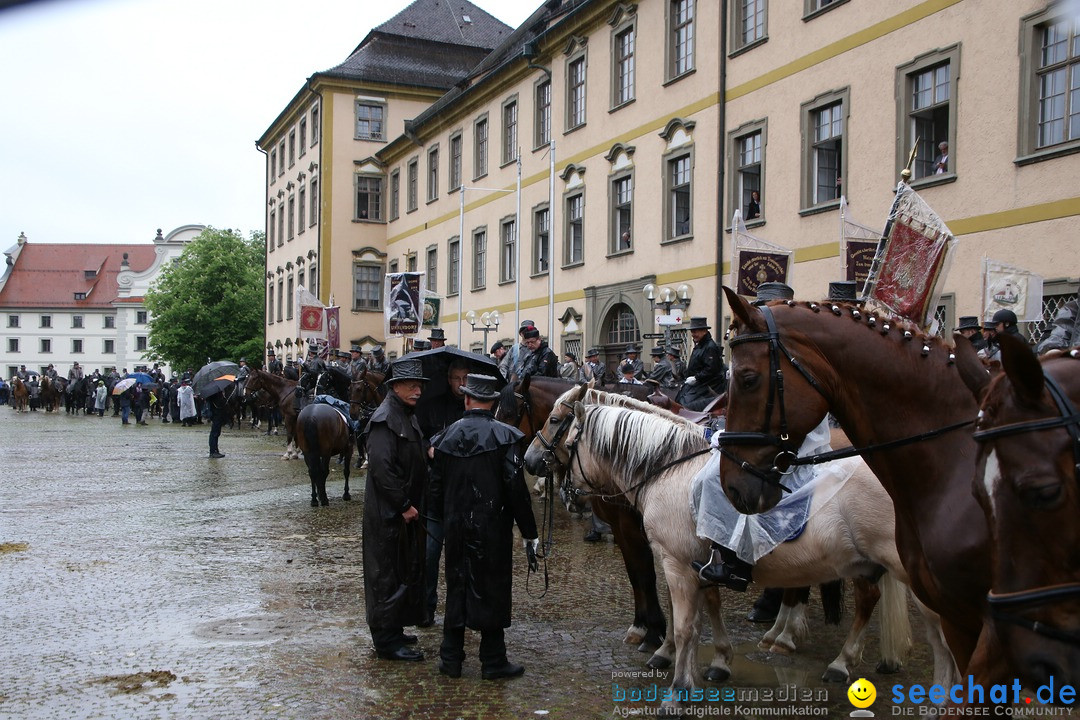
(650, 625)
(867, 595)
(661, 659)
(345, 467)
(790, 626)
(719, 669)
(946, 673)
(686, 624)
(324, 472)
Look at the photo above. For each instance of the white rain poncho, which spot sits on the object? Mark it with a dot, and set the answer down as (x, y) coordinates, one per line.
(753, 536)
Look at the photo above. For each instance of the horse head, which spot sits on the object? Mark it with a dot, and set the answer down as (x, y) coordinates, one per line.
(1026, 480)
(546, 452)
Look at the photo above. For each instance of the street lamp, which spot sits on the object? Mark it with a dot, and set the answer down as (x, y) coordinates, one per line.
(490, 321)
(679, 298)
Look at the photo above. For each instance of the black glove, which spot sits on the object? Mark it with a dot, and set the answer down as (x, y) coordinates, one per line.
(530, 553)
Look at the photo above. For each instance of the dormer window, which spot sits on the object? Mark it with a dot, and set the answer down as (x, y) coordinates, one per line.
(89, 274)
(80, 296)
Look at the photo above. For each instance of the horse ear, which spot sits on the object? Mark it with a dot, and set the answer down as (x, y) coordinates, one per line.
(742, 311)
(1022, 368)
(579, 411)
(972, 371)
(524, 384)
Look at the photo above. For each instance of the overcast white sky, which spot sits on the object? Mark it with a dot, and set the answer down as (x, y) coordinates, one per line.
(123, 116)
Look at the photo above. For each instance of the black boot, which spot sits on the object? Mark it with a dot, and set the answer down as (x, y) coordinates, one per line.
(766, 607)
(726, 569)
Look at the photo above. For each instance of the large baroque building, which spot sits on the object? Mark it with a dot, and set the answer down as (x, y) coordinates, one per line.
(62, 303)
(662, 117)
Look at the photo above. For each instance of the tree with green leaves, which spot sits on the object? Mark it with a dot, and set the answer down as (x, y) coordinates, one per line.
(209, 302)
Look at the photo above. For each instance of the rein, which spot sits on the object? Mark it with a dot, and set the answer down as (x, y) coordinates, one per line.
(788, 458)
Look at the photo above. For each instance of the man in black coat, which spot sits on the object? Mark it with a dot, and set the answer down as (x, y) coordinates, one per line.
(393, 532)
(273, 365)
(706, 375)
(478, 489)
(540, 360)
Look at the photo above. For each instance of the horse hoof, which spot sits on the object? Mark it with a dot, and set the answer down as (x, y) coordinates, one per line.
(782, 649)
(647, 646)
(888, 668)
(835, 675)
(346, 496)
(716, 675)
(658, 662)
(324, 503)
(314, 502)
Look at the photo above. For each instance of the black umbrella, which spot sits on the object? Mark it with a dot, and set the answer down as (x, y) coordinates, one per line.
(212, 371)
(437, 362)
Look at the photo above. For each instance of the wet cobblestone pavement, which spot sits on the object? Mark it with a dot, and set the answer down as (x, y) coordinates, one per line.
(138, 579)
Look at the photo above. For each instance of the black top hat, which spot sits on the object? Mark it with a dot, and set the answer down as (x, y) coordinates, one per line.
(406, 369)
(481, 387)
(626, 368)
(657, 351)
(773, 291)
(592, 352)
(989, 325)
(968, 322)
(631, 348)
(312, 349)
(270, 352)
(699, 323)
(356, 348)
(497, 346)
(377, 350)
(243, 360)
(421, 345)
(842, 291)
(437, 334)
(572, 356)
(1005, 316)
(672, 350)
(530, 332)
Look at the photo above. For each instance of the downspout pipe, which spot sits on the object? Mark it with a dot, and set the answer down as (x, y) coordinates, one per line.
(720, 147)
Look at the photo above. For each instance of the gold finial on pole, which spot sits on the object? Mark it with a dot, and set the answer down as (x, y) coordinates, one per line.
(905, 174)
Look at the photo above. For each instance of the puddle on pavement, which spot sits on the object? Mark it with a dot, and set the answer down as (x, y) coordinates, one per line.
(253, 629)
(137, 682)
(13, 547)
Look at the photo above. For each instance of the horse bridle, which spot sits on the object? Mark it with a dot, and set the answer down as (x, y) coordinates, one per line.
(1001, 603)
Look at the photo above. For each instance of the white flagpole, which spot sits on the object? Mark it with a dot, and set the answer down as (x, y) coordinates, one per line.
(517, 250)
(551, 242)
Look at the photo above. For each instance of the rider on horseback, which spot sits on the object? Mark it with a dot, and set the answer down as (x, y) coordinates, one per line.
(312, 368)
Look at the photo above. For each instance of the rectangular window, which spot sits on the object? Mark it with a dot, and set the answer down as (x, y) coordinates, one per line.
(109, 322)
(13, 345)
(46, 321)
(76, 321)
(455, 162)
(314, 126)
(369, 121)
(273, 166)
(292, 217)
(410, 262)
(368, 198)
(300, 278)
(314, 201)
(624, 67)
(290, 293)
(453, 267)
(13, 321)
(541, 240)
(313, 278)
(508, 253)
(750, 22)
(76, 345)
(367, 287)
(108, 347)
(575, 229)
(480, 147)
(395, 194)
(412, 198)
(46, 345)
(281, 228)
(479, 259)
(292, 148)
(510, 132)
(303, 136)
(681, 32)
(432, 269)
(1058, 83)
(622, 215)
(140, 343)
(575, 93)
(281, 154)
(272, 226)
(433, 174)
(281, 298)
(824, 160)
(748, 175)
(680, 192)
(301, 207)
(926, 88)
(140, 317)
(270, 303)
(543, 114)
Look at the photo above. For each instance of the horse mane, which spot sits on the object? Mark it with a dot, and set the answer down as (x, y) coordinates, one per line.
(600, 397)
(638, 444)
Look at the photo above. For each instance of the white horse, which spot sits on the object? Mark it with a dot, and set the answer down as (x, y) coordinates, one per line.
(639, 451)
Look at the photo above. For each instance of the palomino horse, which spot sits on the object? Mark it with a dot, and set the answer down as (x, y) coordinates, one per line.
(903, 399)
(527, 406)
(20, 395)
(1026, 480)
(321, 433)
(281, 390)
(650, 457)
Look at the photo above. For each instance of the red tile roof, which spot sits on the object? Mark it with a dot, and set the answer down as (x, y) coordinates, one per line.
(49, 275)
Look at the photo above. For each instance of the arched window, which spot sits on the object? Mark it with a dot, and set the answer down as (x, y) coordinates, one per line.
(622, 326)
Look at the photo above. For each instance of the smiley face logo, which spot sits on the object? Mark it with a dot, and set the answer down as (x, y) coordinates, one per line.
(862, 693)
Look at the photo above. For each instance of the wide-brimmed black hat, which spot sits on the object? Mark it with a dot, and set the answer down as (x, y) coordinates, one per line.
(592, 352)
(437, 334)
(481, 387)
(270, 352)
(407, 369)
(843, 291)
(497, 346)
(699, 323)
(631, 348)
(989, 325)
(773, 291)
(421, 345)
(657, 351)
(356, 348)
(968, 322)
(377, 350)
(672, 350)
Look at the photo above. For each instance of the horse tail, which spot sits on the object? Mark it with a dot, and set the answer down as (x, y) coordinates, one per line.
(832, 601)
(311, 439)
(895, 625)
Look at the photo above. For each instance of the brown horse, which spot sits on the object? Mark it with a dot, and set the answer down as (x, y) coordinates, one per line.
(20, 395)
(904, 399)
(52, 392)
(1026, 481)
(321, 433)
(281, 391)
(365, 395)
